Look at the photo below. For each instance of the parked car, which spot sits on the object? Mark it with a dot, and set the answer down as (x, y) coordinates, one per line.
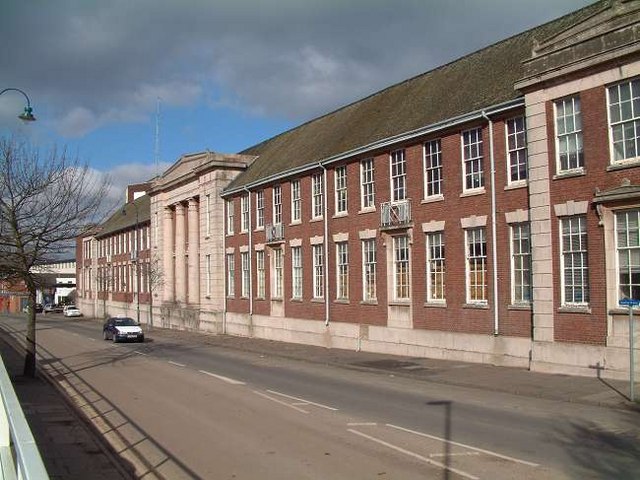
(49, 308)
(122, 328)
(71, 311)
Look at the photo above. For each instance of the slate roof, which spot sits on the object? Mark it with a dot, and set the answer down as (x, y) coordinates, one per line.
(119, 221)
(472, 83)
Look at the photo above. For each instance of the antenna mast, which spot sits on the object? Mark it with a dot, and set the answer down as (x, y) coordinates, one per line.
(156, 152)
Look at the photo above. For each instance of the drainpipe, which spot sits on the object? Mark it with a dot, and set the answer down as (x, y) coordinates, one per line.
(494, 240)
(224, 266)
(250, 260)
(326, 245)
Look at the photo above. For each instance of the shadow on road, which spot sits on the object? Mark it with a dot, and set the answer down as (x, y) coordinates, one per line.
(132, 444)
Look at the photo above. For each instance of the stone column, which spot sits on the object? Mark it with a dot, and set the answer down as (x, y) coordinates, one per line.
(167, 255)
(194, 252)
(181, 274)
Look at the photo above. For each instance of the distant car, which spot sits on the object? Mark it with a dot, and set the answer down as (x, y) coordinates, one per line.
(71, 311)
(122, 328)
(49, 308)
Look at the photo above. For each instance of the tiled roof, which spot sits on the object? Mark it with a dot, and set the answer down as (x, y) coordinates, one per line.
(125, 217)
(477, 81)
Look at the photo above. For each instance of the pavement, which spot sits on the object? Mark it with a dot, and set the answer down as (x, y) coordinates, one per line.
(73, 449)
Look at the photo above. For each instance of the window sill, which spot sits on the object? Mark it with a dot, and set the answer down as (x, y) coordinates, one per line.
(341, 301)
(295, 222)
(517, 185)
(295, 300)
(473, 193)
(435, 198)
(520, 306)
(476, 306)
(435, 304)
(276, 299)
(400, 303)
(367, 210)
(579, 172)
(317, 300)
(316, 219)
(624, 164)
(579, 309)
(341, 215)
(369, 302)
(259, 229)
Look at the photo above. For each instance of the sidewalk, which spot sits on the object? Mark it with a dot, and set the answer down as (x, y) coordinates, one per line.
(72, 450)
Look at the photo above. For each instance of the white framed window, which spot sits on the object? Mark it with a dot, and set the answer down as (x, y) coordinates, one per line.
(367, 185)
(278, 273)
(476, 265)
(244, 213)
(398, 172)
(342, 271)
(628, 252)
(317, 195)
(207, 213)
(207, 263)
(432, 152)
(401, 287)
(260, 274)
(230, 217)
(472, 159)
(277, 205)
(435, 267)
(569, 150)
(624, 120)
(517, 149)
(574, 262)
(296, 202)
(341, 189)
(521, 291)
(296, 272)
(231, 275)
(260, 209)
(369, 270)
(246, 274)
(318, 271)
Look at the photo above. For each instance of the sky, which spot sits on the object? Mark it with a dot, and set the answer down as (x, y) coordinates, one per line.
(223, 75)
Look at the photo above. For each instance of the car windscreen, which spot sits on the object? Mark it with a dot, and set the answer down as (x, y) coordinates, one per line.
(126, 322)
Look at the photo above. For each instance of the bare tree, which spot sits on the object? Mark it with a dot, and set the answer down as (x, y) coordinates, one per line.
(155, 279)
(105, 281)
(46, 201)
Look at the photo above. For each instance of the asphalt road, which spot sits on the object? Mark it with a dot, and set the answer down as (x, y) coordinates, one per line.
(175, 409)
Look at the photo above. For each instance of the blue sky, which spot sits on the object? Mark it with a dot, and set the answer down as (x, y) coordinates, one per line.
(229, 73)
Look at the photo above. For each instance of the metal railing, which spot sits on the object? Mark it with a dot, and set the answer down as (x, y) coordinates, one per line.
(274, 232)
(19, 455)
(395, 214)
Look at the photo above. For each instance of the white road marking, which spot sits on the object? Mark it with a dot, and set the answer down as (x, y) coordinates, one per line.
(92, 339)
(304, 402)
(413, 454)
(481, 450)
(363, 424)
(279, 401)
(141, 353)
(223, 378)
(177, 364)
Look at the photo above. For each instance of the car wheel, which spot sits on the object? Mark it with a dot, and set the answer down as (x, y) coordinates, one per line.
(104, 335)
(114, 338)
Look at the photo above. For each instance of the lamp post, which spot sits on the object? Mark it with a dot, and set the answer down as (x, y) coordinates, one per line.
(134, 257)
(27, 115)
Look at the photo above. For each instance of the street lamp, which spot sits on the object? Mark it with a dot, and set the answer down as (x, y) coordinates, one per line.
(134, 257)
(27, 115)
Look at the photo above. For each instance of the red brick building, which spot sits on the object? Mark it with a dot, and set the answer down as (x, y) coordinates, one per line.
(487, 210)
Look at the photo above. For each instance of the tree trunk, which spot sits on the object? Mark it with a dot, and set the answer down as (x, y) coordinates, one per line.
(30, 353)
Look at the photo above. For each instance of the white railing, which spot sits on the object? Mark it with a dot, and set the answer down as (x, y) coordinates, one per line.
(19, 455)
(395, 214)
